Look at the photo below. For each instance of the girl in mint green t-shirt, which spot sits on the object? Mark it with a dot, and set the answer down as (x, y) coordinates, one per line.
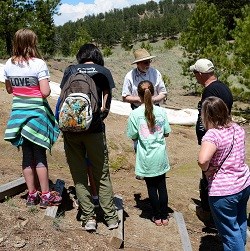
(149, 125)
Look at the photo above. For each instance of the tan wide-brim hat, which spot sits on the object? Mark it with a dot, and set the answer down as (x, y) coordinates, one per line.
(141, 55)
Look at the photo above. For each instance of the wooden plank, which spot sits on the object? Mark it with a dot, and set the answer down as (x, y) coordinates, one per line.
(186, 244)
(12, 188)
(117, 238)
(51, 211)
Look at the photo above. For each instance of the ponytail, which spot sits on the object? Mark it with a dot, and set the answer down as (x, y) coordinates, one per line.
(145, 92)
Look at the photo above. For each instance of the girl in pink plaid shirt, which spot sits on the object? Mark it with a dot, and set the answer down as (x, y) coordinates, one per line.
(222, 158)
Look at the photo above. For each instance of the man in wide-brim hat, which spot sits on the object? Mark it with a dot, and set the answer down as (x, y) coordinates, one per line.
(143, 71)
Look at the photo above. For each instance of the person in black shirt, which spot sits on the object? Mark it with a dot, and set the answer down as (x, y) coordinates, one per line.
(85, 148)
(203, 70)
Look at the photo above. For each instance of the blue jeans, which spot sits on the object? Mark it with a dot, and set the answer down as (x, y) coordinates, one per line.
(230, 217)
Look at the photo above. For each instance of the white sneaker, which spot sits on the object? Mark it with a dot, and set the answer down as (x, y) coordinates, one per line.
(90, 225)
(113, 226)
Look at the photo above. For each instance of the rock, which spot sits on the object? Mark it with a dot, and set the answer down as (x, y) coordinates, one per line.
(20, 244)
(24, 222)
(192, 207)
(239, 120)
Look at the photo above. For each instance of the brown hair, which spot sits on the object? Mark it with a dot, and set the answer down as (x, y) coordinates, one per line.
(215, 113)
(24, 45)
(145, 92)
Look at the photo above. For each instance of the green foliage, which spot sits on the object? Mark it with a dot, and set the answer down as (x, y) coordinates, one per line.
(205, 28)
(240, 94)
(241, 58)
(169, 43)
(129, 25)
(147, 46)
(34, 14)
(82, 37)
(10, 201)
(127, 42)
(193, 87)
(118, 162)
(166, 79)
(241, 34)
(229, 10)
(43, 24)
(33, 210)
(205, 38)
(3, 51)
(107, 51)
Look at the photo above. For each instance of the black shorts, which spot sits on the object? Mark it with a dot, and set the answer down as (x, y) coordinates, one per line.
(33, 155)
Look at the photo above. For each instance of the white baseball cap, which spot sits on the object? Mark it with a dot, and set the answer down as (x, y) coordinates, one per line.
(202, 65)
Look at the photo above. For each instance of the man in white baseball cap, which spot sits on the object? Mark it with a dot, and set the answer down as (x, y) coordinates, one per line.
(203, 70)
(202, 65)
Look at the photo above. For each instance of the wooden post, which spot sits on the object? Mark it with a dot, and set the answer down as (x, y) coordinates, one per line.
(12, 188)
(117, 238)
(51, 211)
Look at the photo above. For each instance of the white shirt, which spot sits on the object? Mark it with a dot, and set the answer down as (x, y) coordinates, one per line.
(134, 77)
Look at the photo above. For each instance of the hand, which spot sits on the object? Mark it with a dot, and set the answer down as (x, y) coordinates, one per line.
(104, 112)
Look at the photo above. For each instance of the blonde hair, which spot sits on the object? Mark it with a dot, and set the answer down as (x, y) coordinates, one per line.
(215, 113)
(24, 46)
(145, 92)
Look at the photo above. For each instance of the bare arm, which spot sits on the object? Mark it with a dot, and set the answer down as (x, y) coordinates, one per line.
(45, 87)
(131, 99)
(160, 97)
(106, 103)
(8, 86)
(205, 155)
(104, 99)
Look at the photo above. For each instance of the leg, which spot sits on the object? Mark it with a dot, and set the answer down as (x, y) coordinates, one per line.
(98, 155)
(75, 153)
(93, 189)
(91, 178)
(242, 213)
(163, 196)
(225, 214)
(152, 186)
(28, 165)
(40, 162)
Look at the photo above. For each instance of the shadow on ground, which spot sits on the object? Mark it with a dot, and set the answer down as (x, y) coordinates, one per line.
(210, 243)
(145, 207)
